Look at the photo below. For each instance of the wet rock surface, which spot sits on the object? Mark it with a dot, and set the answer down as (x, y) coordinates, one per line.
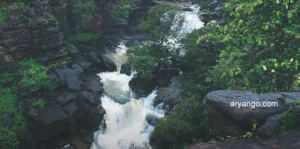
(171, 95)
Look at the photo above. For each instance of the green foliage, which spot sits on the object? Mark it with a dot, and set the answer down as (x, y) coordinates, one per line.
(35, 75)
(8, 139)
(159, 23)
(290, 118)
(40, 103)
(202, 59)
(141, 60)
(8, 136)
(122, 11)
(84, 10)
(85, 37)
(190, 123)
(261, 51)
(6, 9)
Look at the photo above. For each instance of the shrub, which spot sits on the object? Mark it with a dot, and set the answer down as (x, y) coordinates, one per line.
(35, 75)
(6, 9)
(290, 118)
(190, 123)
(261, 40)
(8, 136)
(122, 11)
(84, 10)
(141, 61)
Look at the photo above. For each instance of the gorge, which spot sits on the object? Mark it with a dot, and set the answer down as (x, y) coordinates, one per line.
(147, 74)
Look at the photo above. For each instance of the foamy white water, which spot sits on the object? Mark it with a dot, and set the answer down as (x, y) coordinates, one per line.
(125, 118)
(190, 23)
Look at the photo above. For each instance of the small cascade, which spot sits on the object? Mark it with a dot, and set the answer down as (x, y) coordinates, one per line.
(190, 23)
(119, 57)
(125, 125)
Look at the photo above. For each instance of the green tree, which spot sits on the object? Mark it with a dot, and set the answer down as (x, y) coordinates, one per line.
(163, 23)
(190, 123)
(160, 25)
(141, 60)
(84, 10)
(261, 45)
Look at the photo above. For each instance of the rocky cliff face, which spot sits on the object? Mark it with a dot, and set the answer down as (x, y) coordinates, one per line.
(72, 111)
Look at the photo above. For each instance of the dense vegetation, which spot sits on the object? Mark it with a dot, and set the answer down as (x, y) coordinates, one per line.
(121, 12)
(83, 10)
(257, 50)
(160, 26)
(34, 75)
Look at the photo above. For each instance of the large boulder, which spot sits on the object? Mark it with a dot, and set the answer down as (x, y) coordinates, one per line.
(289, 140)
(49, 122)
(91, 97)
(71, 76)
(66, 97)
(126, 69)
(141, 86)
(109, 64)
(225, 102)
(93, 83)
(89, 116)
(270, 127)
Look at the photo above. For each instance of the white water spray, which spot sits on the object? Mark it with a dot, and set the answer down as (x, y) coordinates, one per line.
(125, 119)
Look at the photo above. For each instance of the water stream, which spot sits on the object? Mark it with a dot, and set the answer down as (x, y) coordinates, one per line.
(125, 125)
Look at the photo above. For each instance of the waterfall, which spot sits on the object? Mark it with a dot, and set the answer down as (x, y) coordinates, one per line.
(125, 125)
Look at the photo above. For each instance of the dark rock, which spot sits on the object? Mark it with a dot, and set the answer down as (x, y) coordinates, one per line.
(109, 64)
(271, 127)
(72, 50)
(218, 8)
(8, 122)
(126, 69)
(170, 95)
(23, 87)
(91, 97)
(214, 4)
(89, 116)
(137, 15)
(71, 77)
(220, 101)
(49, 122)
(94, 84)
(187, 9)
(288, 140)
(66, 97)
(87, 136)
(152, 120)
(141, 86)
(68, 146)
(163, 76)
(93, 57)
(129, 43)
(85, 64)
(221, 22)
(77, 67)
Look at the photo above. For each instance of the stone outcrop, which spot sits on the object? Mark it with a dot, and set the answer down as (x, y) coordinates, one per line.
(223, 106)
(171, 95)
(288, 140)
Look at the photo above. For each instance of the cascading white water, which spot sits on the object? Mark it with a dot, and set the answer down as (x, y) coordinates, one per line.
(125, 118)
(190, 23)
